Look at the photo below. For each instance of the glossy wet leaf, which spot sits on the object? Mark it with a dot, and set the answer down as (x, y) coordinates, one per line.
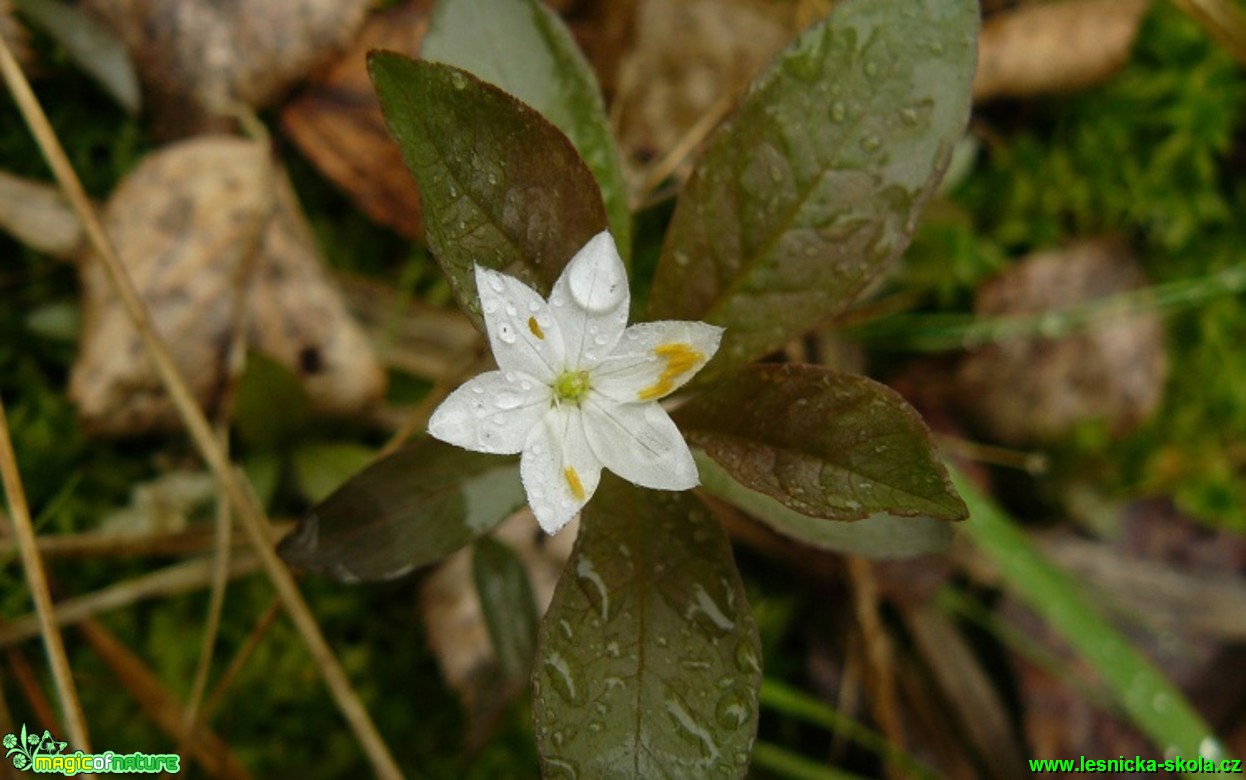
(523, 47)
(508, 606)
(405, 511)
(649, 660)
(816, 184)
(500, 186)
(1152, 702)
(882, 536)
(823, 443)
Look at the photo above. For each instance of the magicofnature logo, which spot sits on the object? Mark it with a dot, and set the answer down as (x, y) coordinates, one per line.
(45, 755)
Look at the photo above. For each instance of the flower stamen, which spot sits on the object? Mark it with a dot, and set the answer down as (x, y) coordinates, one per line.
(573, 482)
(680, 359)
(572, 387)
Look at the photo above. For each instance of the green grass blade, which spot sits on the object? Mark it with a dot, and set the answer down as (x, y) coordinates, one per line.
(1151, 702)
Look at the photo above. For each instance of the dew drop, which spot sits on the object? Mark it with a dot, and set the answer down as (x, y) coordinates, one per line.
(871, 143)
(507, 401)
(495, 283)
(506, 332)
(733, 710)
(598, 287)
(457, 81)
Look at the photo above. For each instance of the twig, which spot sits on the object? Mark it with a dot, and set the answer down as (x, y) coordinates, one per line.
(179, 578)
(32, 564)
(235, 365)
(197, 426)
(24, 676)
(101, 544)
(686, 145)
(879, 654)
(240, 659)
(158, 703)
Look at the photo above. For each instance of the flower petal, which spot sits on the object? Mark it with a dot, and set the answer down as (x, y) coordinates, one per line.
(493, 413)
(640, 443)
(654, 359)
(559, 470)
(524, 334)
(590, 301)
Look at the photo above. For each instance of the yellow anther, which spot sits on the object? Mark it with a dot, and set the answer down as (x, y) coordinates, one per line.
(680, 359)
(535, 328)
(573, 482)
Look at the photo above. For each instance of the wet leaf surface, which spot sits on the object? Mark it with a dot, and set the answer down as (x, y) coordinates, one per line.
(405, 511)
(501, 186)
(881, 536)
(649, 659)
(815, 185)
(524, 48)
(823, 443)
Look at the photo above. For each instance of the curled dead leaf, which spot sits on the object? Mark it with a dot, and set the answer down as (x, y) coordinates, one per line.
(199, 57)
(207, 227)
(1055, 47)
(336, 122)
(1031, 390)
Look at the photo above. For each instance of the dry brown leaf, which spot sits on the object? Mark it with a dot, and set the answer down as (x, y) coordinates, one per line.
(691, 58)
(197, 58)
(205, 226)
(337, 123)
(1023, 391)
(39, 216)
(1055, 47)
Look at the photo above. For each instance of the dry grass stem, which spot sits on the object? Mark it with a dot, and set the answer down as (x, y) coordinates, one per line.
(226, 681)
(99, 544)
(179, 578)
(208, 749)
(197, 425)
(661, 170)
(26, 681)
(36, 578)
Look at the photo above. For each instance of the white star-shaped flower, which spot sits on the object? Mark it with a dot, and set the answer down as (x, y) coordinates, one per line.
(576, 389)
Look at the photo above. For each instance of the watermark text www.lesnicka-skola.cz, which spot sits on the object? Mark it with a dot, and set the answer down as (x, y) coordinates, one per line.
(1136, 764)
(45, 754)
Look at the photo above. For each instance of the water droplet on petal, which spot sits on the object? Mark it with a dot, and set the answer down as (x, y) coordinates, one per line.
(598, 287)
(506, 332)
(495, 283)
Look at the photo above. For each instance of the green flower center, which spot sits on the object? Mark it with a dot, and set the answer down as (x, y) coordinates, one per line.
(571, 387)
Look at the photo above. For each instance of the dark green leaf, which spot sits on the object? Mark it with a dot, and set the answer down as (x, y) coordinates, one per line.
(816, 183)
(648, 664)
(404, 511)
(524, 48)
(501, 186)
(508, 606)
(878, 536)
(824, 444)
(322, 466)
(271, 408)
